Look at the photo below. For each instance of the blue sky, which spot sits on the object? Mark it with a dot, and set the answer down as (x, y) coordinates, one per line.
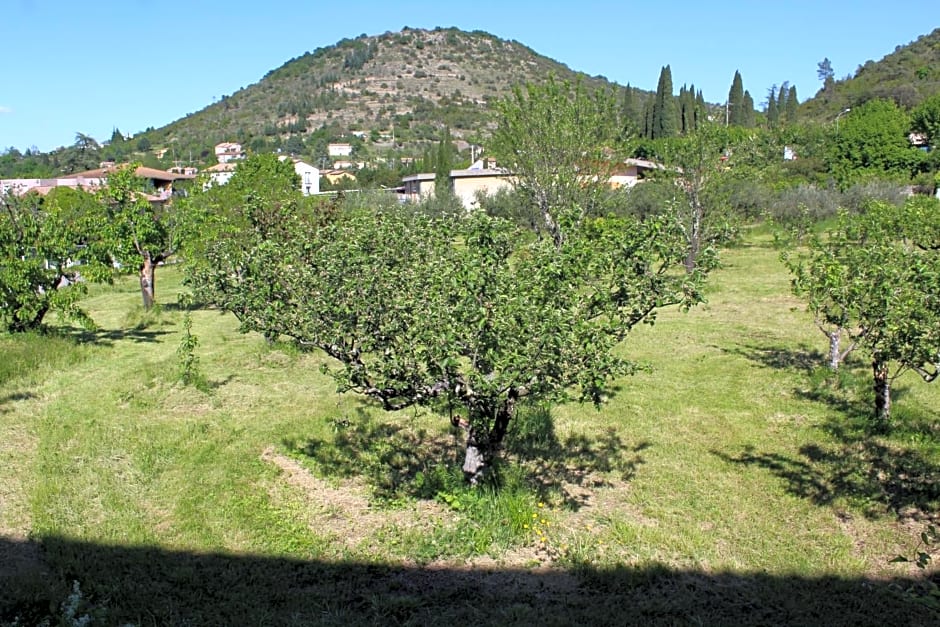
(88, 67)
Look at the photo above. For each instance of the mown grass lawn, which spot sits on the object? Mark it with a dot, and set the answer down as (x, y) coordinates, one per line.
(731, 483)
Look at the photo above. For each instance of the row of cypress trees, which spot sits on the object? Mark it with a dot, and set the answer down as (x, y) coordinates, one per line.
(667, 115)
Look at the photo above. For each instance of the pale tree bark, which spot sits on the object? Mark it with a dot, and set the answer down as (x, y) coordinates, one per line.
(147, 275)
(835, 338)
(882, 384)
(484, 440)
(695, 230)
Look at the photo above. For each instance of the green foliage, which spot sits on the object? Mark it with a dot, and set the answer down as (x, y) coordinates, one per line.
(561, 142)
(872, 142)
(459, 315)
(141, 234)
(665, 117)
(929, 541)
(735, 104)
(698, 166)
(791, 109)
(444, 163)
(49, 249)
(187, 359)
(925, 118)
(215, 214)
(877, 277)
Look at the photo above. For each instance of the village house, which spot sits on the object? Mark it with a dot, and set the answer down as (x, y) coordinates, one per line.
(484, 177)
(228, 151)
(160, 182)
(337, 176)
(631, 172)
(339, 150)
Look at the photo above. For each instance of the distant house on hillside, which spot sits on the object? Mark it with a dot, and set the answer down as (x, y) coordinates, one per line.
(309, 177)
(337, 176)
(417, 187)
(484, 177)
(469, 184)
(339, 150)
(228, 151)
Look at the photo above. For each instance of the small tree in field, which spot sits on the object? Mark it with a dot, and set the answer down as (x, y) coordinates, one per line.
(696, 164)
(877, 276)
(49, 248)
(561, 143)
(143, 235)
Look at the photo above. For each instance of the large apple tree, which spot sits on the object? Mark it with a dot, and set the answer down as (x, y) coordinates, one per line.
(467, 316)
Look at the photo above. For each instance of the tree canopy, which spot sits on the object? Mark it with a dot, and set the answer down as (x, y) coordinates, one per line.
(872, 142)
(561, 143)
(877, 276)
(49, 249)
(465, 315)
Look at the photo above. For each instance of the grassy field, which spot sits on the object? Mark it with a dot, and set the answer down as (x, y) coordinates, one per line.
(731, 483)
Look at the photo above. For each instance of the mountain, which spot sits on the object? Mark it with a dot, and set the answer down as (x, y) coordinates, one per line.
(908, 75)
(405, 85)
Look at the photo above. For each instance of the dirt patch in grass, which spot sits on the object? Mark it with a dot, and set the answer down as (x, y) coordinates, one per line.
(345, 509)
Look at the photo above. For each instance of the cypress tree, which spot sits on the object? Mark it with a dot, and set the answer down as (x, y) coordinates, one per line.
(665, 114)
(747, 113)
(686, 113)
(631, 110)
(773, 114)
(444, 163)
(701, 110)
(734, 113)
(782, 96)
(792, 104)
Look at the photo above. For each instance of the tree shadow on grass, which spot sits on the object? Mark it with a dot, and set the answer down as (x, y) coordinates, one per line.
(875, 474)
(399, 460)
(577, 460)
(848, 390)
(801, 359)
(13, 397)
(108, 337)
(150, 585)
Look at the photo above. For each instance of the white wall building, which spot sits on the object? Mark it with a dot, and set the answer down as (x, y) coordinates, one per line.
(309, 177)
(339, 150)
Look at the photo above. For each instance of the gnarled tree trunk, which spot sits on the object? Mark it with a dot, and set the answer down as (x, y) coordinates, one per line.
(484, 439)
(882, 385)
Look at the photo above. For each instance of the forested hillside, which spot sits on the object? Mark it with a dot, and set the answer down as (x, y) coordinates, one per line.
(908, 76)
(397, 94)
